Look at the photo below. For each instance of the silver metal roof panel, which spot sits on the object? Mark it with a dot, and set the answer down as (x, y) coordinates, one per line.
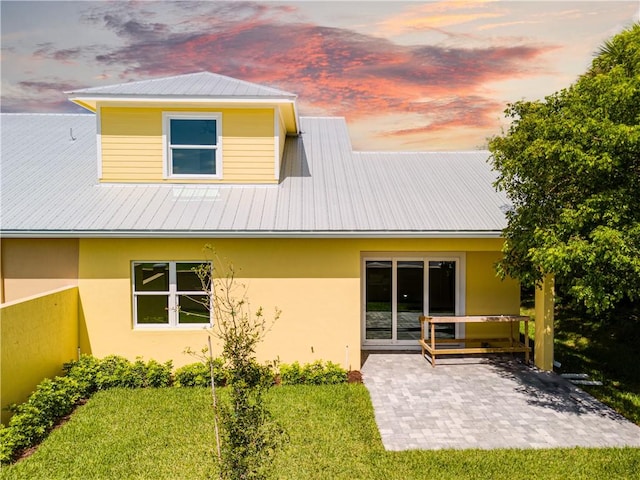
(49, 187)
(201, 84)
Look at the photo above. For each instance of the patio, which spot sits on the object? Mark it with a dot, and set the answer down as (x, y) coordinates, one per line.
(485, 403)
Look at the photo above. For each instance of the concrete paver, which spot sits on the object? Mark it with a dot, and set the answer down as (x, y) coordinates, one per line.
(486, 403)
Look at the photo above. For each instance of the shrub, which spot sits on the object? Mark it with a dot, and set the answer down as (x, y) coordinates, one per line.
(116, 371)
(33, 419)
(316, 373)
(291, 374)
(54, 398)
(9, 441)
(85, 372)
(158, 374)
(199, 375)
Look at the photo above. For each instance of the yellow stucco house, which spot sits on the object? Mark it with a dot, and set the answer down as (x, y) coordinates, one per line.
(105, 213)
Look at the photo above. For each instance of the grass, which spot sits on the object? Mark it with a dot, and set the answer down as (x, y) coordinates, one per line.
(606, 349)
(167, 434)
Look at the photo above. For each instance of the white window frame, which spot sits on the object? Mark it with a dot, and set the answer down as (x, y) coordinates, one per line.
(167, 150)
(172, 294)
(459, 257)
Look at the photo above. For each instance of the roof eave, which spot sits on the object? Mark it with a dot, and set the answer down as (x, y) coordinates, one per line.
(76, 96)
(90, 102)
(249, 234)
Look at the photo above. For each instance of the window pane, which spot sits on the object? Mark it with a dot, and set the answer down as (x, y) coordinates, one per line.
(193, 132)
(151, 277)
(192, 309)
(442, 295)
(410, 299)
(378, 300)
(152, 309)
(442, 288)
(187, 278)
(194, 161)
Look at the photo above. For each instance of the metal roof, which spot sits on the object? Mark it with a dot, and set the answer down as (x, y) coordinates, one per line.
(49, 187)
(202, 84)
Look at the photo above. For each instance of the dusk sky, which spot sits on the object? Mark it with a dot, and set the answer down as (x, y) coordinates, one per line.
(405, 75)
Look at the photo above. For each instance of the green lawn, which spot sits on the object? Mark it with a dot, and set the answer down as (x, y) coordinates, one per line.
(168, 434)
(606, 350)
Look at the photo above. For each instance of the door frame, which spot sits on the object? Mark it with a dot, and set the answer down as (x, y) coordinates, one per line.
(395, 257)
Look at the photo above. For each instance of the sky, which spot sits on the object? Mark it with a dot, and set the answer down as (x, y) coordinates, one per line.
(418, 76)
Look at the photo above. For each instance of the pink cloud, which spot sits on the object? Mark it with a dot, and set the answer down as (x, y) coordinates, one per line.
(333, 70)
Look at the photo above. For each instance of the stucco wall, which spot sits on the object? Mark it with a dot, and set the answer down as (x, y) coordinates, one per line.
(487, 294)
(33, 266)
(37, 335)
(315, 282)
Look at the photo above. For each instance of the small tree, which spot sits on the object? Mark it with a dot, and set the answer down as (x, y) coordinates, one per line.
(250, 436)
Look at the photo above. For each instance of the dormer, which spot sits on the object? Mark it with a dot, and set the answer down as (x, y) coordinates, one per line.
(196, 128)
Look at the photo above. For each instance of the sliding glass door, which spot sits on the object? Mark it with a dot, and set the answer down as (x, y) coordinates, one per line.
(397, 291)
(442, 295)
(379, 300)
(409, 298)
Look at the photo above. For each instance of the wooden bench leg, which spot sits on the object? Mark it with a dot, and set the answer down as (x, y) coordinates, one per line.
(433, 345)
(526, 341)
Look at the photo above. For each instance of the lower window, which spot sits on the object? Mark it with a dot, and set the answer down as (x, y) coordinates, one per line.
(169, 294)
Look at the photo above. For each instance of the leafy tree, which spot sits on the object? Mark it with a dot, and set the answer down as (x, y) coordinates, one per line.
(571, 167)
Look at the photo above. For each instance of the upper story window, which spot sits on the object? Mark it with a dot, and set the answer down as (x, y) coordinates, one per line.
(193, 145)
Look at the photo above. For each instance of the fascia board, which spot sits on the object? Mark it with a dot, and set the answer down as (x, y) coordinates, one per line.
(179, 99)
(245, 234)
(91, 102)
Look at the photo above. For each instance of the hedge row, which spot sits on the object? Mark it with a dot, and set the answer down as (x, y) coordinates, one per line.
(55, 398)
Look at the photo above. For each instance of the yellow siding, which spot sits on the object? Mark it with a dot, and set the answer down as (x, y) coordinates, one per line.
(132, 146)
(38, 334)
(315, 282)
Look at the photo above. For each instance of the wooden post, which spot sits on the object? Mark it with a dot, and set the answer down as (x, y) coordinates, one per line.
(526, 341)
(544, 324)
(433, 344)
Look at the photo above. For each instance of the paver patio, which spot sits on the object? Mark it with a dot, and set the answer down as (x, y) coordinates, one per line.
(486, 403)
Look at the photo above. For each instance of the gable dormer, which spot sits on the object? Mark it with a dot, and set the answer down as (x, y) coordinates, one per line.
(196, 128)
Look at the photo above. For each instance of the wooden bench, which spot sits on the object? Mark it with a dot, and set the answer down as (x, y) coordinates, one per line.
(485, 345)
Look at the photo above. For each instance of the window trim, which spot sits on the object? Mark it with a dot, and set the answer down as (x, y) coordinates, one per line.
(172, 293)
(167, 149)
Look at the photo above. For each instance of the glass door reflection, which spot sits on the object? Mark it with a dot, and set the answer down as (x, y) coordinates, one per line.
(410, 299)
(378, 302)
(442, 295)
